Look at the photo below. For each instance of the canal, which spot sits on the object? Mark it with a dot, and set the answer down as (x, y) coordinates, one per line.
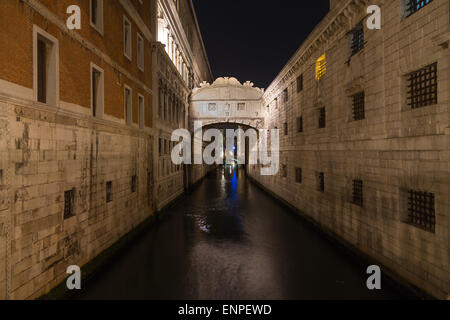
(230, 240)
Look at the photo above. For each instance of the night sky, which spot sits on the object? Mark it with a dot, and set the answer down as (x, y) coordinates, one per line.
(253, 40)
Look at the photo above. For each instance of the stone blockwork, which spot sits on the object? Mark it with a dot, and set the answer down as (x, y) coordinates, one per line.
(44, 155)
(392, 149)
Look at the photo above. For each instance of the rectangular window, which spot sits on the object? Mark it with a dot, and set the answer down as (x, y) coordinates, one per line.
(285, 128)
(160, 146)
(149, 188)
(141, 105)
(241, 106)
(285, 95)
(357, 39)
(358, 192)
(69, 203)
(126, 37)
(300, 83)
(321, 66)
(322, 118)
(128, 106)
(422, 87)
(284, 171)
(1, 177)
(300, 124)
(413, 6)
(97, 98)
(140, 52)
(359, 106)
(421, 210)
(108, 191)
(321, 182)
(133, 183)
(298, 175)
(212, 107)
(42, 70)
(45, 67)
(97, 15)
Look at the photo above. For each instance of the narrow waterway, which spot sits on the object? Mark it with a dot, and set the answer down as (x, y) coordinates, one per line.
(230, 240)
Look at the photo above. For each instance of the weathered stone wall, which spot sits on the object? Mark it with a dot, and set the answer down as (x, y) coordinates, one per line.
(393, 150)
(45, 153)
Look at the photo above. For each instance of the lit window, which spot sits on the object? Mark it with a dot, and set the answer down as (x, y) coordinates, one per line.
(97, 15)
(422, 87)
(321, 67)
(126, 37)
(413, 6)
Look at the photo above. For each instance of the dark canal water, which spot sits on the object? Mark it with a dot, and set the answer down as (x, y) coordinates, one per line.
(230, 240)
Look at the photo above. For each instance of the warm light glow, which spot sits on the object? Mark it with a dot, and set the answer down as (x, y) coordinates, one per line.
(321, 66)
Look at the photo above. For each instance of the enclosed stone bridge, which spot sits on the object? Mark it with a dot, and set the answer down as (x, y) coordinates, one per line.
(227, 101)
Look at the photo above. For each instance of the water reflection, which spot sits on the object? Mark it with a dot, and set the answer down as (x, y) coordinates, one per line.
(229, 240)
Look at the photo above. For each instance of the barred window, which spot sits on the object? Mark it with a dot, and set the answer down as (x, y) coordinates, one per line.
(285, 128)
(322, 118)
(300, 83)
(285, 95)
(422, 87)
(413, 6)
(359, 106)
(298, 175)
(133, 183)
(321, 182)
(212, 107)
(300, 124)
(321, 67)
(284, 171)
(69, 203)
(109, 191)
(358, 197)
(421, 210)
(357, 39)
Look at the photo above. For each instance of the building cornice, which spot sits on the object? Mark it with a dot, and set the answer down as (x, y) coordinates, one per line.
(334, 21)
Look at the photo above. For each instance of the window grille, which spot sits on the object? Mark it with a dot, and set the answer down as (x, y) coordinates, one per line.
(422, 87)
(300, 83)
(69, 203)
(300, 124)
(358, 192)
(109, 191)
(421, 210)
(413, 6)
(357, 39)
(285, 129)
(359, 106)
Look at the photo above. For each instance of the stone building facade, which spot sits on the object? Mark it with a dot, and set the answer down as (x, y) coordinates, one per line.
(364, 120)
(78, 131)
(181, 63)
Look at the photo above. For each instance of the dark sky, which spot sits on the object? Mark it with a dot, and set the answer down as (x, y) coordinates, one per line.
(253, 40)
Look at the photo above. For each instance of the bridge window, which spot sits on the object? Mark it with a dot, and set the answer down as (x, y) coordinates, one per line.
(357, 43)
(358, 106)
(212, 107)
(298, 175)
(321, 67)
(413, 6)
(300, 83)
(241, 106)
(421, 210)
(422, 86)
(322, 118)
(358, 192)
